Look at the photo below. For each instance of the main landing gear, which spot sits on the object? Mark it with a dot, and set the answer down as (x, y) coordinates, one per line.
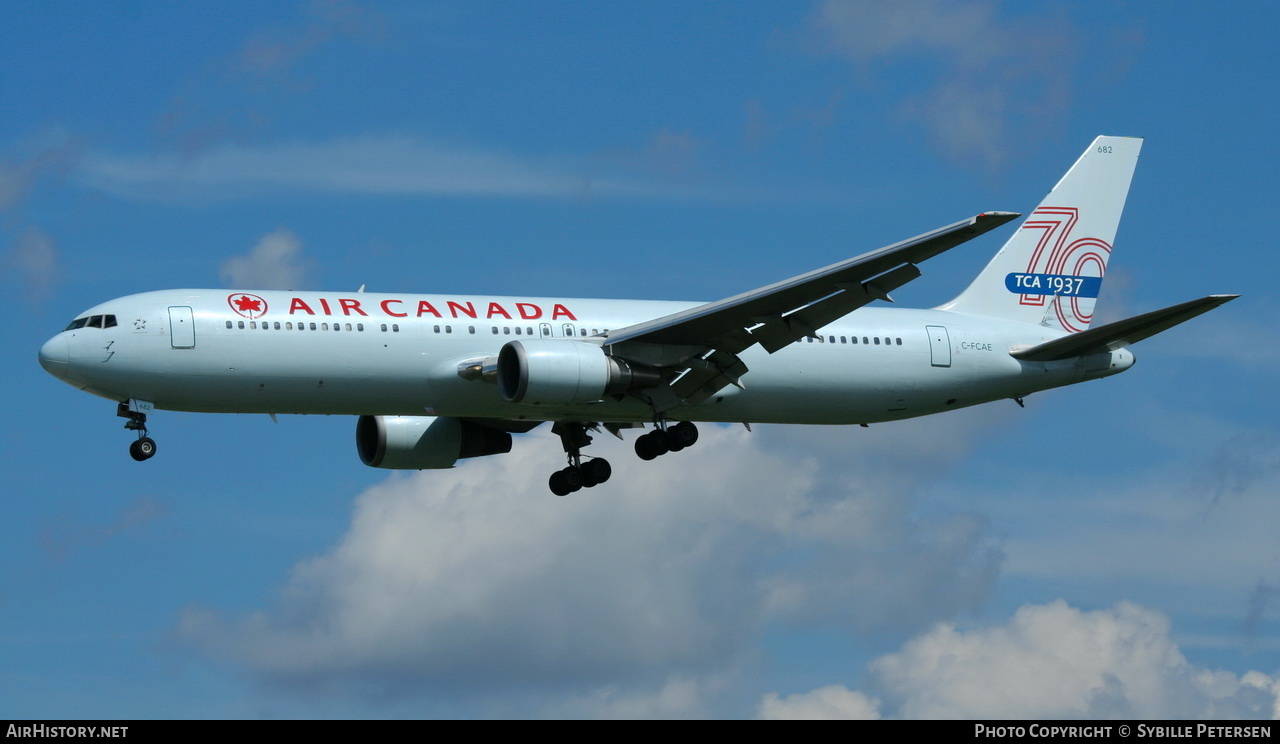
(579, 474)
(592, 472)
(666, 439)
(145, 447)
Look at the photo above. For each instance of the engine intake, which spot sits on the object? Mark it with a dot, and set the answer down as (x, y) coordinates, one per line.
(561, 372)
(422, 442)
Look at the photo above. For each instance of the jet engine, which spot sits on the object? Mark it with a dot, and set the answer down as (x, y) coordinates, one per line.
(562, 372)
(421, 442)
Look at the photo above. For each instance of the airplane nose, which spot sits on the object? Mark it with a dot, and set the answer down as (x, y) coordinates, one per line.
(53, 356)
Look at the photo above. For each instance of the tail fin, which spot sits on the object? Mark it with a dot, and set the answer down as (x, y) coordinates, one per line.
(1050, 271)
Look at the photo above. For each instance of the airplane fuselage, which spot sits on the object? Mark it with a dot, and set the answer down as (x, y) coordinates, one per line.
(435, 379)
(383, 354)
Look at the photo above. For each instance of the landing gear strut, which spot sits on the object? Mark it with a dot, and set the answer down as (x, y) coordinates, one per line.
(145, 447)
(592, 472)
(578, 474)
(666, 439)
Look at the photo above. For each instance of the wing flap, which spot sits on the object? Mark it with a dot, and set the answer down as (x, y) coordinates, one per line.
(778, 332)
(1122, 333)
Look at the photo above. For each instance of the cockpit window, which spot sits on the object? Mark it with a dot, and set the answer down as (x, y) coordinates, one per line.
(93, 321)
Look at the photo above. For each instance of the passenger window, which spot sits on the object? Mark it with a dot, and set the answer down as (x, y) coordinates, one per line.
(448, 329)
(359, 327)
(517, 330)
(277, 325)
(253, 325)
(395, 327)
(228, 324)
(471, 329)
(899, 341)
(495, 330)
(240, 325)
(864, 340)
(313, 326)
(436, 328)
(324, 326)
(384, 327)
(877, 340)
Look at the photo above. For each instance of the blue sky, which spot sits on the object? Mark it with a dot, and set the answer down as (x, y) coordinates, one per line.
(1109, 551)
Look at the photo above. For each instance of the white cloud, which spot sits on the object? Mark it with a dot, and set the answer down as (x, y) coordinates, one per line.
(1204, 525)
(1049, 661)
(13, 184)
(1055, 661)
(993, 75)
(378, 165)
(65, 537)
(1231, 335)
(835, 702)
(867, 30)
(47, 155)
(34, 256)
(275, 54)
(275, 262)
(639, 590)
(395, 165)
(678, 697)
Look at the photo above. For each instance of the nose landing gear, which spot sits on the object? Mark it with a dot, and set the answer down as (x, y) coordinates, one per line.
(145, 447)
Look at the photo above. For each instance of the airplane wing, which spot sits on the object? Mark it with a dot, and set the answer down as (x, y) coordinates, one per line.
(699, 347)
(1121, 333)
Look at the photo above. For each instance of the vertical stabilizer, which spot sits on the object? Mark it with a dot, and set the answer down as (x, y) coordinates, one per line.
(1050, 271)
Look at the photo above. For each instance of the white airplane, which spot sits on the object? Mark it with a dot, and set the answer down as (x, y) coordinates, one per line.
(438, 378)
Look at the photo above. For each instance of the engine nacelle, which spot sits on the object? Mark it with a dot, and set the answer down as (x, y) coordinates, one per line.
(561, 372)
(421, 442)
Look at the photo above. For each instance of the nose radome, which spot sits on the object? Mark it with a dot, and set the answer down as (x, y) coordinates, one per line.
(53, 356)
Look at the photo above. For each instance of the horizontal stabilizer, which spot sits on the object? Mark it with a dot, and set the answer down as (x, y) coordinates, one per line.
(1121, 333)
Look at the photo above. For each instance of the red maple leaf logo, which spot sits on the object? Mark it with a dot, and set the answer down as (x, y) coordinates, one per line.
(246, 305)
